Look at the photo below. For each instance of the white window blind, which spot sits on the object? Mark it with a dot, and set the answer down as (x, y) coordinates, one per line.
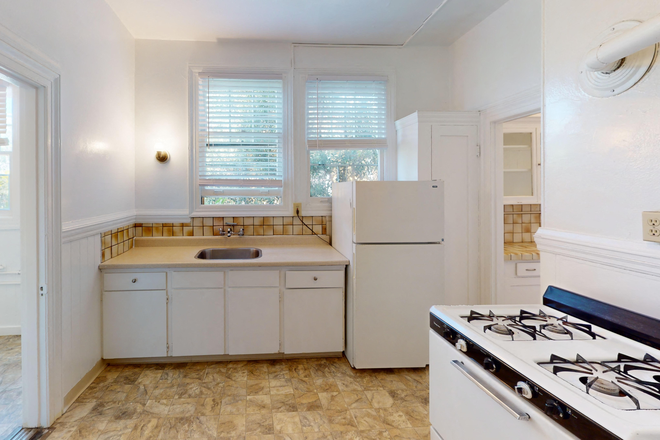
(3, 109)
(240, 137)
(346, 114)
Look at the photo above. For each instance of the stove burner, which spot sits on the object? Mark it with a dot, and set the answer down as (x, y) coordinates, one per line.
(500, 329)
(556, 328)
(600, 385)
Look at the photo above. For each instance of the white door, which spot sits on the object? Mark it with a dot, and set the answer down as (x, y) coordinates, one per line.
(313, 320)
(398, 212)
(394, 289)
(455, 161)
(197, 322)
(253, 320)
(134, 324)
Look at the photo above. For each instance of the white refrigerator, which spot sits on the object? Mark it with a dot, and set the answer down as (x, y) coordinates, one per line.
(392, 233)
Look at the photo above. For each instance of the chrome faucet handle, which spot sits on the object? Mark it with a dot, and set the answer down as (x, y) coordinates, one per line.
(221, 232)
(229, 232)
(241, 232)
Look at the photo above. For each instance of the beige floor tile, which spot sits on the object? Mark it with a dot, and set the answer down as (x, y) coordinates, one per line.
(258, 404)
(378, 434)
(333, 401)
(326, 385)
(417, 415)
(340, 421)
(379, 399)
(404, 434)
(182, 408)
(308, 402)
(285, 423)
(158, 408)
(393, 418)
(356, 400)
(202, 427)
(147, 427)
(234, 404)
(231, 425)
(259, 424)
(175, 428)
(283, 403)
(257, 387)
(314, 421)
(209, 406)
(367, 419)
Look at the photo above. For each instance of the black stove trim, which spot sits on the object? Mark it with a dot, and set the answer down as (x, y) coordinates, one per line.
(632, 325)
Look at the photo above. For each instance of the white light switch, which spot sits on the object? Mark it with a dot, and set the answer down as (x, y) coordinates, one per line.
(651, 226)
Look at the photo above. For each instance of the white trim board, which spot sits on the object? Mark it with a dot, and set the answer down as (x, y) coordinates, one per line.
(444, 118)
(77, 229)
(10, 330)
(634, 256)
(622, 273)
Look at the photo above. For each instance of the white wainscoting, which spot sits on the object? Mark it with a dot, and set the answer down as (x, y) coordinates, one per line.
(81, 309)
(623, 273)
(10, 303)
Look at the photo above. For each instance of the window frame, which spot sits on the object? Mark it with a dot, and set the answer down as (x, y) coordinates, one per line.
(387, 157)
(11, 219)
(195, 206)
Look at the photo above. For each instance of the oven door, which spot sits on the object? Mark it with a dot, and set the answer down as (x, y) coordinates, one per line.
(467, 402)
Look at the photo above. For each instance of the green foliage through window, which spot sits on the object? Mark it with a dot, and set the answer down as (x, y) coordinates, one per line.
(328, 166)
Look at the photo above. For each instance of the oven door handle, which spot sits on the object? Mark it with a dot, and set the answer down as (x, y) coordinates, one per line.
(461, 367)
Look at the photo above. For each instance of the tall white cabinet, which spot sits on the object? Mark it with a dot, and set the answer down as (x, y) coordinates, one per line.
(445, 146)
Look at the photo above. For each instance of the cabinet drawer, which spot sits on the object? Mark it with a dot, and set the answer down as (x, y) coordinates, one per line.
(134, 281)
(301, 279)
(197, 280)
(528, 269)
(253, 278)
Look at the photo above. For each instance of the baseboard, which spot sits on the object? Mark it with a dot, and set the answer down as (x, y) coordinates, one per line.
(221, 358)
(83, 228)
(10, 330)
(82, 384)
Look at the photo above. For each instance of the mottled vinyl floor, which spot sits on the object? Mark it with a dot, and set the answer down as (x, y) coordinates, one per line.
(11, 403)
(310, 399)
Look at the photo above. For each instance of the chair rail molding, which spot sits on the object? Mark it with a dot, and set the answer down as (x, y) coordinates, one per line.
(77, 229)
(633, 256)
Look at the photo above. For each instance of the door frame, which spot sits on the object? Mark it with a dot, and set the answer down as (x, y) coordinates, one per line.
(492, 186)
(41, 311)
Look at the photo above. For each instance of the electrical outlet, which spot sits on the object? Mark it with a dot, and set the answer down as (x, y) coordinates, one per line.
(297, 209)
(651, 225)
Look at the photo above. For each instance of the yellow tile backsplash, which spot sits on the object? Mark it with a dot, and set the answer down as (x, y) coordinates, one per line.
(120, 240)
(521, 223)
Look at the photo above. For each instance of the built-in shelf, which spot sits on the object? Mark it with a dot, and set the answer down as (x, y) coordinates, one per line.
(518, 170)
(518, 146)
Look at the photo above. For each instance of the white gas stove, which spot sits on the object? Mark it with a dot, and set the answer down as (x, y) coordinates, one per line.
(579, 369)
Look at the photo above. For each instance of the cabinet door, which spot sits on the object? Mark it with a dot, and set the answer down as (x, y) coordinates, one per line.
(134, 324)
(253, 320)
(313, 320)
(197, 322)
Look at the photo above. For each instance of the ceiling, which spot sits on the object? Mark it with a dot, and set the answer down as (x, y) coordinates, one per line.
(389, 22)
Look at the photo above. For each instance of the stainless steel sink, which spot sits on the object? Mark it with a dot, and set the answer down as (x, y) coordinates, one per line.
(228, 254)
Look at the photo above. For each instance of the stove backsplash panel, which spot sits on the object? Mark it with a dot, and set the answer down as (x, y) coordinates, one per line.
(521, 223)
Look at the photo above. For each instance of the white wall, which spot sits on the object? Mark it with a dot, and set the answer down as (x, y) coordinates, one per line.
(423, 83)
(96, 57)
(601, 163)
(499, 57)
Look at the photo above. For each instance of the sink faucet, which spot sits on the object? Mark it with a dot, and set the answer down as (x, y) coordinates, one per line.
(241, 232)
(229, 231)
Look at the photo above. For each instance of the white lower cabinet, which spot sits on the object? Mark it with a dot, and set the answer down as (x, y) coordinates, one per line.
(253, 320)
(313, 320)
(197, 324)
(134, 324)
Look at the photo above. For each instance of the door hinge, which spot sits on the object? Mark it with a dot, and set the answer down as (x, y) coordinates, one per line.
(478, 150)
(43, 289)
(168, 349)
(167, 299)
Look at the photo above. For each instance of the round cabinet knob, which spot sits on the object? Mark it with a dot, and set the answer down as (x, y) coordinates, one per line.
(554, 408)
(134, 280)
(461, 345)
(491, 365)
(523, 389)
(316, 278)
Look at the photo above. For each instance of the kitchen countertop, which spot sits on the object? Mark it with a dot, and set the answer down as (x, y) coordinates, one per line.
(166, 252)
(521, 251)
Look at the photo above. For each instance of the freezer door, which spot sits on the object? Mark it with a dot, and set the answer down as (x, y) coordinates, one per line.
(398, 212)
(394, 287)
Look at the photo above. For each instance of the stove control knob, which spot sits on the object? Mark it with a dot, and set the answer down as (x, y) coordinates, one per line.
(491, 365)
(462, 345)
(552, 407)
(449, 333)
(523, 389)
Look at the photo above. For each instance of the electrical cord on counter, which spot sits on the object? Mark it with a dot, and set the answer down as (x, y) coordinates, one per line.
(305, 224)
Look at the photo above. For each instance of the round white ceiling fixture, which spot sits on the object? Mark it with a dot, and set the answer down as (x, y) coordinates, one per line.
(621, 75)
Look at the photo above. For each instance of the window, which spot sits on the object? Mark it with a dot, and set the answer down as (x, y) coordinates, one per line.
(346, 131)
(240, 140)
(6, 147)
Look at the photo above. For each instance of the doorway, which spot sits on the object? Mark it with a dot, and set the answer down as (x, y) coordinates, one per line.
(520, 142)
(34, 199)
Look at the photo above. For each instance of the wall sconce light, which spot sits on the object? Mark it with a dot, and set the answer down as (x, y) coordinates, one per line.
(162, 156)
